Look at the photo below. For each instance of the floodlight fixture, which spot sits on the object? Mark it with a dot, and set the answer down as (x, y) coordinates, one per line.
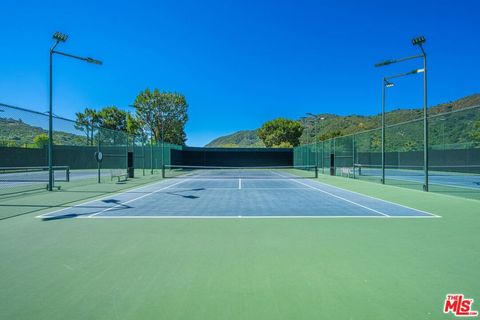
(384, 63)
(415, 71)
(419, 41)
(94, 61)
(60, 37)
(389, 84)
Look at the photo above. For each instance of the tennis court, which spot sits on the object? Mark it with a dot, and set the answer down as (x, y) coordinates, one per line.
(238, 192)
(451, 176)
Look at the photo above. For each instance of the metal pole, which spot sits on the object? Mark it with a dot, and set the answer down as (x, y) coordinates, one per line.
(334, 156)
(126, 150)
(59, 38)
(126, 142)
(425, 120)
(316, 143)
(151, 151)
(99, 165)
(353, 155)
(50, 129)
(163, 142)
(323, 157)
(143, 151)
(383, 130)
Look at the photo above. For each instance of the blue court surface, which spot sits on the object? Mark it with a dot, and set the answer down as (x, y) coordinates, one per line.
(451, 179)
(270, 196)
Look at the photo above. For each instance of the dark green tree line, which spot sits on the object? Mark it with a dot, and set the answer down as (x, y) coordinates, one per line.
(164, 114)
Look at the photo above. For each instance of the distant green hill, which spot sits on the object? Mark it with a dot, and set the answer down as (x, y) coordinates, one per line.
(17, 133)
(245, 139)
(335, 125)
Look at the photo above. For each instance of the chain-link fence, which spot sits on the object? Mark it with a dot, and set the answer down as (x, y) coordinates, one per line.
(453, 154)
(24, 152)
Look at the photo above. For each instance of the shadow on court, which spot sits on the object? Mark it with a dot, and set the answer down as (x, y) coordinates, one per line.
(187, 196)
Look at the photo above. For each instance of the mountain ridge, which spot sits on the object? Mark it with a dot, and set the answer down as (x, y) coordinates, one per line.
(336, 125)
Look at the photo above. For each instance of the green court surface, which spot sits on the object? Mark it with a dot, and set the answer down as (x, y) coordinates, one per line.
(291, 268)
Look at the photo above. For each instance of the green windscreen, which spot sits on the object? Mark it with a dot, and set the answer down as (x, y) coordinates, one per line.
(24, 152)
(453, 165)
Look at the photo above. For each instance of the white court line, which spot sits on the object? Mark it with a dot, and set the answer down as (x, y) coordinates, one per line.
(137, 198)
(239, 216)
(341, 198)
(256, 217)
(338, 197)
(375, 198)
(210, 178)
(364, 195)
(47, 214)
(239, 184)
(244, 188)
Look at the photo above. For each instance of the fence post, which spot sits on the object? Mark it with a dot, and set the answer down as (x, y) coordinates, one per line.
(353, 155)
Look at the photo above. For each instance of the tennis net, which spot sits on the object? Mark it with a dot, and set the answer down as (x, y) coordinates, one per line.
(413, 170)
(33, 174)
(212, 172)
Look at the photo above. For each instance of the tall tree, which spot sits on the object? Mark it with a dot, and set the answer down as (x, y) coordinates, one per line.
(115, 121)
(40, 140)
(164, 113)
(113, 118)
(87, 121)
(134, 125)
(281, 132)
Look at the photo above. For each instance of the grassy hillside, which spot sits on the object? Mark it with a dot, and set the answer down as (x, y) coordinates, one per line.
(245, 138)
(17, 133)
(334, 125)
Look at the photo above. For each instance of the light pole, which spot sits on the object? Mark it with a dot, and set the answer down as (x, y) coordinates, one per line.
(163, 140)
(317, 120)
(58, 37)
(387, 84)
(418, 41)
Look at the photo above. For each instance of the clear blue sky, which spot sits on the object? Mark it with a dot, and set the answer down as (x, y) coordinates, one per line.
(239, 63)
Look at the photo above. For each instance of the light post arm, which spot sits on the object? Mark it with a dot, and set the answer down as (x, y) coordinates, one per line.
(58, 37)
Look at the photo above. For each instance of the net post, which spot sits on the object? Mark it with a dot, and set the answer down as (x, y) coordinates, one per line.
(316, 172)
(68, 174)
(163, 171)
